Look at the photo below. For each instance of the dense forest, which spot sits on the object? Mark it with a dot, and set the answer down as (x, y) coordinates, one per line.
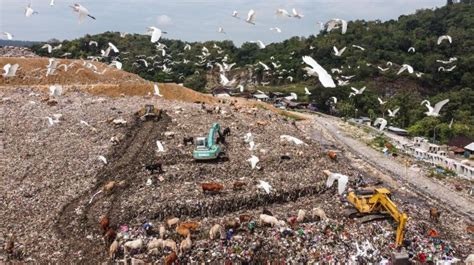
(375, 51)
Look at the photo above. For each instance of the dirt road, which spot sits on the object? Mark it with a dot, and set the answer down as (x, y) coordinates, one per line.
(418, 182)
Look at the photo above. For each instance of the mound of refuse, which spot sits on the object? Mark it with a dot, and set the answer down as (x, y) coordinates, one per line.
(92, 77)
(75, 157)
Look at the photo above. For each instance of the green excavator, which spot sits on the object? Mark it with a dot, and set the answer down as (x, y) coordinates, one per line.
(207, 147)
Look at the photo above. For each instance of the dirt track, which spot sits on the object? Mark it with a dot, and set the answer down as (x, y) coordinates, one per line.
(136, 150)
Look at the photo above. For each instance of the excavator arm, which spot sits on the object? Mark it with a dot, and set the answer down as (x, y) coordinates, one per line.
(380, 202)
(207, 147)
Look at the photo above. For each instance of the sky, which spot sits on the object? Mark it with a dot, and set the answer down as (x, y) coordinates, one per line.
(193, 20)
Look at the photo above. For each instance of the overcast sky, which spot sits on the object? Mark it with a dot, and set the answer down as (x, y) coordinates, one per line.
(193, 20)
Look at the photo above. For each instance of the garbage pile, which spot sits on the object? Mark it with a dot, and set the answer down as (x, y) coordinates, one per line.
(74, 159)
(12, 51)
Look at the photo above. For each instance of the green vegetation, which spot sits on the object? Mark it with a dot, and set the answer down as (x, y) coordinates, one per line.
(381, 142)
(383, 42)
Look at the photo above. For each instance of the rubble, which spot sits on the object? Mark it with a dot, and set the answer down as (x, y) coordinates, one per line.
(52, 172)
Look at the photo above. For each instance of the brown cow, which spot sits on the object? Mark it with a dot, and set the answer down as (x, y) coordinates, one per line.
(192, 225)
(183, 231)
(104, 223)
(435, 214)
(245, 218)
(212, 187)
(239, 185)
(171, 258)
(110, 236)
(332, 155)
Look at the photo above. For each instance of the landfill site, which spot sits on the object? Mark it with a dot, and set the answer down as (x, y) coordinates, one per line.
(96, 174)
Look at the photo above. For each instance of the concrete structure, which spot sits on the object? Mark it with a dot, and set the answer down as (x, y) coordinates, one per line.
(437, 155)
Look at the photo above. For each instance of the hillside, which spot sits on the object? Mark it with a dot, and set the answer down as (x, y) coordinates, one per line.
(382, 42)
(112, 82)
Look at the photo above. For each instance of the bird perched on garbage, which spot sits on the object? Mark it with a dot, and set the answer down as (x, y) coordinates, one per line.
(265, 186)
(342, 180)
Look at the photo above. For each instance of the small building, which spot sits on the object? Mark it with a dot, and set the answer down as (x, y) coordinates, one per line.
(261, 97)
(460, 141)
(221, 92)
(398, 131)
(469, 149)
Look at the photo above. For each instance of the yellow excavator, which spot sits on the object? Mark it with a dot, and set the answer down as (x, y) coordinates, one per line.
(378, 201)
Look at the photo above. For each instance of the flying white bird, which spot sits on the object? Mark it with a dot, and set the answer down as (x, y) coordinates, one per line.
(383, 69)
(352, 94)
(82, 11)
(292, 96)
(338, 52)
(359, 47)
(381, 101)
(282, 12)
(296, 14)
(47, 46)
(144, 62)
(10, 70)
(221, 30)
(358, 91)
(264, 66)
(52, 66)
(93, 43)
(113, 47)
(265, 186)
(443, 38)
(393, 113)
(103, 159)
(306, 91)
(252, 145)
(160, 147)
(335, 24)
(53, 120)
(187, 47)
(235, 14)
(248, 137)
(452, 59)
(253, 161)
(8, 35)
(316, 69)
(434, 111)
(117, 64)
(155, 34)
(251, 17)
(334, 99)
(260, 44)
(411, 49)
(451, 123)
(156, 91)
(55, 90)
(382, 122)
(342, 181)
(29, 11)
(225, 81)
(441, 68)
(291, 139)
(276, 29)
(404, 68)
(51, 3)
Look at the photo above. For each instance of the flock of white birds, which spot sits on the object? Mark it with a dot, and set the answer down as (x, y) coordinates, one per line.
(313, 68)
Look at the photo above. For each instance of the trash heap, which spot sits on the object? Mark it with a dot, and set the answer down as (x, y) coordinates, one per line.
(57, 189)
(12, 51)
